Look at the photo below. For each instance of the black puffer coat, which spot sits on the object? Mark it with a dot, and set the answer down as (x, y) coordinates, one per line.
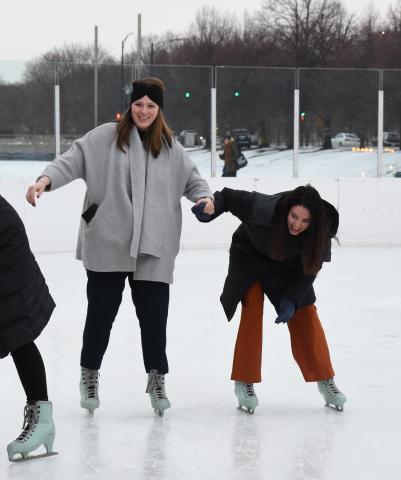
(249, 258)
(25, 301)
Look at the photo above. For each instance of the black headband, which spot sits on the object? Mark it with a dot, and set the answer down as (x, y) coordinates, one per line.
(154, 92)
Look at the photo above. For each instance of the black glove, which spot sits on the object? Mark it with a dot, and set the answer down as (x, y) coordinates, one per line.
(197, 210)
(285, 311)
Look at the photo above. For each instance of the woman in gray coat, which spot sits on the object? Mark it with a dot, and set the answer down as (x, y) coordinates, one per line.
(136, 174)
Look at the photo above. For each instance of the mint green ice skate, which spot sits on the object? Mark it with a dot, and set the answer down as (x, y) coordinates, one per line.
(333, 396)
(38, 429)
(157, 392)
(247, 399)
(89, 389)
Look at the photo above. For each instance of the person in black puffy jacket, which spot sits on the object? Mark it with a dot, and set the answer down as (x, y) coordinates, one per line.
(25, 309)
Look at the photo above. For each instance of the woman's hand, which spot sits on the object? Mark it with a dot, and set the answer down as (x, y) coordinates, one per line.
(209, 205)
(203, 209)
(36, 190)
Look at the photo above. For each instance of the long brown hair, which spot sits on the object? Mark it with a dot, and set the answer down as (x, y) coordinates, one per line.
(155, 134)
(317, 235)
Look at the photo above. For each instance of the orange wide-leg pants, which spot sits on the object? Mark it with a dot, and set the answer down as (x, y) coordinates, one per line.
(308, 342)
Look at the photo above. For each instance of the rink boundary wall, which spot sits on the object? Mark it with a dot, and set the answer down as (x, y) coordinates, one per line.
(370, 211)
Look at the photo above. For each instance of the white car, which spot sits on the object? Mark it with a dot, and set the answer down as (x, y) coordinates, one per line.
(345, 140)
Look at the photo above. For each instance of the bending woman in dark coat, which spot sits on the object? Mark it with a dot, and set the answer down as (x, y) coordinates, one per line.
(277, 250)
(25, 309)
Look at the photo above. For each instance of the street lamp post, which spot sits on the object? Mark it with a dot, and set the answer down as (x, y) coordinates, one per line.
(122, 72)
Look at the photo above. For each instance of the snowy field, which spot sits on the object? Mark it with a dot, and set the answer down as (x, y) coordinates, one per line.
(312, 163)
(268, 162)
(292, 436)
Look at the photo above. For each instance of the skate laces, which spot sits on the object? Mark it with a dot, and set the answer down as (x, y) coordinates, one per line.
(247, 389)
(90, 380)
(30, 420)
(331, 387)
(155, 384)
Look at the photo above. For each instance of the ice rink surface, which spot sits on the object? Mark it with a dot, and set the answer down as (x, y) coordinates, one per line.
(292, 436)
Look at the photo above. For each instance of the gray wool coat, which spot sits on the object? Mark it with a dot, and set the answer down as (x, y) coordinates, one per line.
(137, 225)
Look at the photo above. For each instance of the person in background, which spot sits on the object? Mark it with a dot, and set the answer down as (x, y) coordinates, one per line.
(278, 250)
(230, 155)
(25, 309)
(136, 174)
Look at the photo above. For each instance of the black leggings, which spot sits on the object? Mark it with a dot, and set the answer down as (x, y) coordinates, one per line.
(31, 371)
(151, 299)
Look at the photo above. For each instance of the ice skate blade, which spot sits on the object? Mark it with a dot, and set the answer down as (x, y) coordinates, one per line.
(244, 409)
(91, 410)
(159, 412)
(338, 408)
(32, 457)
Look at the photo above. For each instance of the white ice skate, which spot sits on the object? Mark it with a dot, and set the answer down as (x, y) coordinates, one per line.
(333, 396)
(38, 429)
(247, 399)
(89, 388)
(157, 392)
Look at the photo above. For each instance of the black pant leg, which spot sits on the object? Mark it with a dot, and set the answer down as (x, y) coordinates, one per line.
(151, 300)
(31, 371)
(104, 291)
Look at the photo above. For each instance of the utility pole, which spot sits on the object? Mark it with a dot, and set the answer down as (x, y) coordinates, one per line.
(122, 92)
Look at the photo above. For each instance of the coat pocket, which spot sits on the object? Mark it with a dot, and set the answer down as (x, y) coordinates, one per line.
(90, 212)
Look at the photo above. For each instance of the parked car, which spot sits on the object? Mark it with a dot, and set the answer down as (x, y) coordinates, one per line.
(242, 137)
(254, 140)
(345, 140)
(190, 138)
(390, 139)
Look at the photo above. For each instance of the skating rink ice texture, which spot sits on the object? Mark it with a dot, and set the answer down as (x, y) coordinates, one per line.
(203, 436)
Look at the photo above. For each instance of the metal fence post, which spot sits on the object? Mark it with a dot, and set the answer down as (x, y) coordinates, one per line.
(295, 167)
(57, 133)
(213, 125)
(380, 119)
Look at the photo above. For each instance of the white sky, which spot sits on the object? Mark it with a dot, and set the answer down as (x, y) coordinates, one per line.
(31, 28)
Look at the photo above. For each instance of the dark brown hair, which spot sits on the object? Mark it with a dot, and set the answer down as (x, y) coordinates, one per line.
(159, 129)
(317, 237)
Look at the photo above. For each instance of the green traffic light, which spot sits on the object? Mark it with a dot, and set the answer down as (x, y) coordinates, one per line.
(187, 94)
(236, 93)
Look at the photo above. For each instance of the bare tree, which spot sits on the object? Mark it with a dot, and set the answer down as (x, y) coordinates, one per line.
(394, 16)
(368, 40)
(210, 32)
(72, 68)
(311, 32)
(63, 61)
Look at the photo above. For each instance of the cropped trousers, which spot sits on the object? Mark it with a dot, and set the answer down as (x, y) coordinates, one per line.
(308, 341)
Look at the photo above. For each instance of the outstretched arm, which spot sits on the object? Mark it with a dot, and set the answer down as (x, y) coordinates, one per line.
(36, 190)
(237, 202)
(64, 169)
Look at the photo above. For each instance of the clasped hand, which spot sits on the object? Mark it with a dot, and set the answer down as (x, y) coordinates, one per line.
(203, 209)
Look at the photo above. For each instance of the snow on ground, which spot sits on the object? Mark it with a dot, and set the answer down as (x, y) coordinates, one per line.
(312, 163)
(265, 162)
(292, 436)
